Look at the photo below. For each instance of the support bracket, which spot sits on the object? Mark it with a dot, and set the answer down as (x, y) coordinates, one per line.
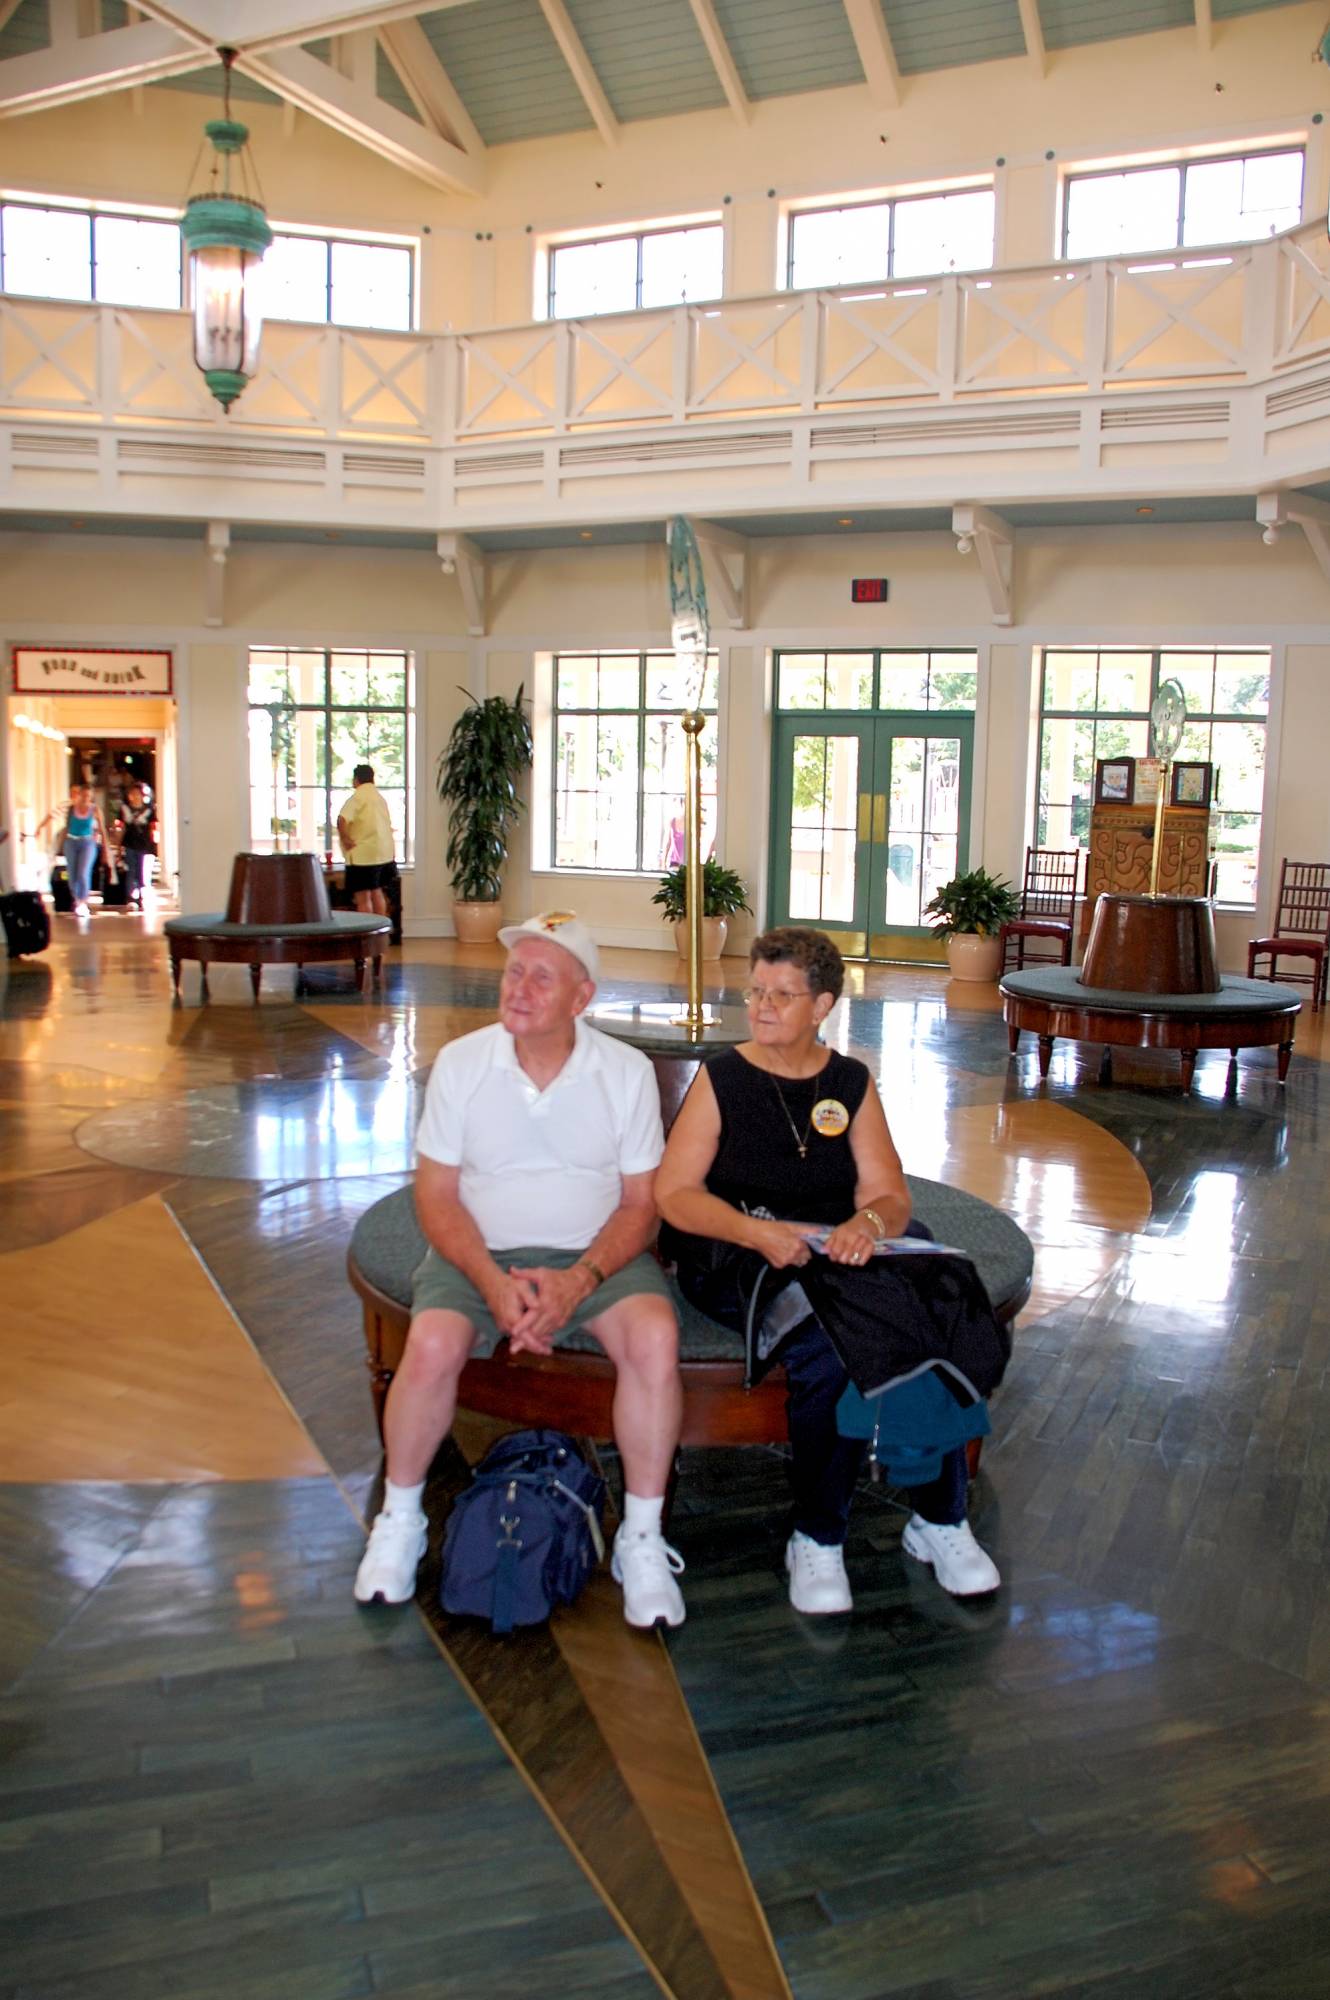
(1276, 510)
(990, 537)
(217, 541)
(726, 556)
(461, 558)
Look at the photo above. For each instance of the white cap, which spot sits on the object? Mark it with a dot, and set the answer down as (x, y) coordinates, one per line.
(561, 927)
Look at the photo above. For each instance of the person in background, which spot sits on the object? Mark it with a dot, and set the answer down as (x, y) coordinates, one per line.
(365, 831)
(136, 839)
(85, 832)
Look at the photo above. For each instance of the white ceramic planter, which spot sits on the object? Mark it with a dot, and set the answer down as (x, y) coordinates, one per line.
(971, 956)
(715, 930)
(477, 923)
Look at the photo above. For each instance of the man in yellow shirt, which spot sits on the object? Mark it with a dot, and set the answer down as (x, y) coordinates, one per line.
(366, 833)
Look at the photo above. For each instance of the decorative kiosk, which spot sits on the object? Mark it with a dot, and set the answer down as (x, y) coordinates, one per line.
(1150, 976)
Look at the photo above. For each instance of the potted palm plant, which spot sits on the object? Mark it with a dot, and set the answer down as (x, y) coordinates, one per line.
(969, 912)
(477, 774)
(724, 894)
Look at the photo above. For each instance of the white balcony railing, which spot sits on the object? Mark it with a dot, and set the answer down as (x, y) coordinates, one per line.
(384, 406)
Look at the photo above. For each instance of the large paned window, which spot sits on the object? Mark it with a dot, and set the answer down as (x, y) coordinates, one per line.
(315, 714)
(1184, 204)
(121, 258)
(656, 267)
(339, 281)
(1096, 703)
(89, 253)
(618, 792)
(907, 236)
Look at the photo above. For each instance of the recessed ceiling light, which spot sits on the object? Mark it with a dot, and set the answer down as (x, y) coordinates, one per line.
(585, 534)
(332, 534)
(844, 520)
(1145, 510)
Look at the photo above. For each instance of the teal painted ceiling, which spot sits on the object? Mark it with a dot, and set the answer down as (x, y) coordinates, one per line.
(650, 59)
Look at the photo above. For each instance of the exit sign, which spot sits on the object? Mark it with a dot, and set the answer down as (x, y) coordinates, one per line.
(869, 589)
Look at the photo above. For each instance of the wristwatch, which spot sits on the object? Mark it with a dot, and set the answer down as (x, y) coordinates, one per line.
(871, 1215)
(595, 1270)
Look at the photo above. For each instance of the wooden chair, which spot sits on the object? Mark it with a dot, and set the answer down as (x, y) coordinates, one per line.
(1048, 904)
(1302, 927)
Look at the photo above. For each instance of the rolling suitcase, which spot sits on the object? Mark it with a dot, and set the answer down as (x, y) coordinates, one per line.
(27, 926)
(62, 895)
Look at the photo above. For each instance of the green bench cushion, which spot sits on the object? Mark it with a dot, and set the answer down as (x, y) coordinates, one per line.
(387, 1245)
(340, 924)
(1061, 986)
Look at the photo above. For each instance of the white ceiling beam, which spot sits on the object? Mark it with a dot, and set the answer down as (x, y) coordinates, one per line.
(1205, 26)
(362, 115)
(978, 528)
(877, 58)
(1033, 30)
(428, 84)
(256, 25)
(584, 76)
(722, 61)
(356, 58)
(69, 72)
(461, 558)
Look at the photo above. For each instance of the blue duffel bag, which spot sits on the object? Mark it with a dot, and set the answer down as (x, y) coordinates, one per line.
(525, 1534)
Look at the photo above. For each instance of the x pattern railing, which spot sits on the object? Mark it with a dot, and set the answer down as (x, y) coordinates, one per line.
(1242, 314)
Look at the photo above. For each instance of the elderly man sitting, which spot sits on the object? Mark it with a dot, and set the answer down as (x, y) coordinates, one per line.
(537, 1152)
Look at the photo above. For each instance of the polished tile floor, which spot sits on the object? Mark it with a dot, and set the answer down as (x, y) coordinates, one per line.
(221, 1779)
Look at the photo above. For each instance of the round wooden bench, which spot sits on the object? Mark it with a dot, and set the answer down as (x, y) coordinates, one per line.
(572, 1389)
(277, 913)
(1244, 1014)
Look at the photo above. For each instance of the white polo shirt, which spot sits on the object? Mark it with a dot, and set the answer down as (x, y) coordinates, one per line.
(541, 1166)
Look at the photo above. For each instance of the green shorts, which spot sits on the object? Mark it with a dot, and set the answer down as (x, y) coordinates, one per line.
(438, 1285)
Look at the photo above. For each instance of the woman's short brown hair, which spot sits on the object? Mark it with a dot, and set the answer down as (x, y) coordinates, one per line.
(812, 951)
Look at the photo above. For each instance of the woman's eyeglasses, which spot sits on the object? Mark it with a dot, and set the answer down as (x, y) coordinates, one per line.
(753, 996)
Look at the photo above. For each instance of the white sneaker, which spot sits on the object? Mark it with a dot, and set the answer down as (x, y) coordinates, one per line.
(953, 1555)
(82, 910)
(387, 1573)
(646, 1566)
(818, 1583)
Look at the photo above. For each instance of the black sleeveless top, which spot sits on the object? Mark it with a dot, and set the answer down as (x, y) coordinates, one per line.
(763, 1119)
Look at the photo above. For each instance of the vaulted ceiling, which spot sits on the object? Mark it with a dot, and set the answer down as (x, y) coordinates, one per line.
(433, 86)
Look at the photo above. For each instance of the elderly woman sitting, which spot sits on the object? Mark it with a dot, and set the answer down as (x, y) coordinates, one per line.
(782, 1145)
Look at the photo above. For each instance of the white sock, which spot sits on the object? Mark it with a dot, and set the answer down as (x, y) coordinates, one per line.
(402, 1499)
(641, 1517)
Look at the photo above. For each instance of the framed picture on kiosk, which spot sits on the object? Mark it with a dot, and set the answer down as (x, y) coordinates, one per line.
(1191, 785)
(1112, 781)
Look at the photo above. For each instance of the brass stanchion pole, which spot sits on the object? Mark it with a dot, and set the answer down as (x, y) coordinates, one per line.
(1157, 855)
(694, 722)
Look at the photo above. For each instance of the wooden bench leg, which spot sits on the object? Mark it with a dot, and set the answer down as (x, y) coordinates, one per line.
(1045, 1054)
(177, 967)
(255, 975)
(1188, 1061)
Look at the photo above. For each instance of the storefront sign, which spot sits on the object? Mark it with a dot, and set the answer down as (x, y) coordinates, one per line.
(90, 670)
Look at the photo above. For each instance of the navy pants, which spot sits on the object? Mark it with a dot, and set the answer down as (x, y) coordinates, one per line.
(824, 1465)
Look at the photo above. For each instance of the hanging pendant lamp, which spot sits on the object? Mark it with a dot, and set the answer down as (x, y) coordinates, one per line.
(225, 233)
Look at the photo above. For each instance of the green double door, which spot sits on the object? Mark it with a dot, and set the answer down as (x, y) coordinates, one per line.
(870, 816)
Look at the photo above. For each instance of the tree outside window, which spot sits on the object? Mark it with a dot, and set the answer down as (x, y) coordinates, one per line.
(314, 714)
(618, 795)
(1096, 703)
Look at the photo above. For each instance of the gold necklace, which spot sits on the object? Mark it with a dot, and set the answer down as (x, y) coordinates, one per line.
(802, 1144)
